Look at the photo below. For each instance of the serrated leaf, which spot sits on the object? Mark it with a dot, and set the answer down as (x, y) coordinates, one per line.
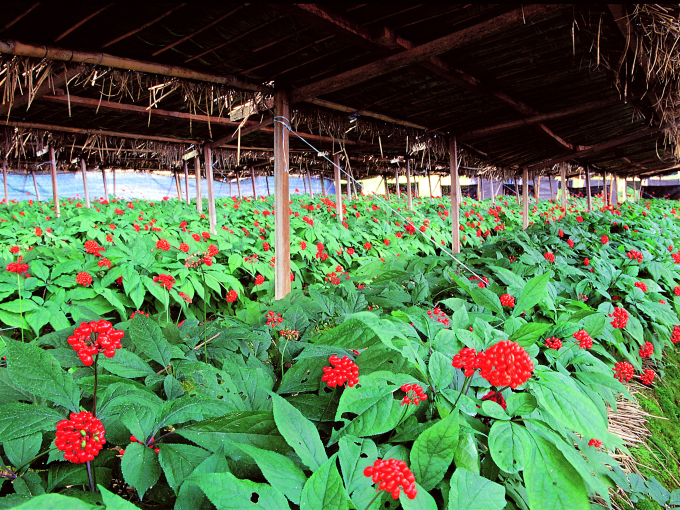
(510, 446)
(113, 501)
(22, 449)
(33, 419)
(126, 364)
(55, 502)
(324, 489)
(533, 292)
(520, 404)
(474, 492)
(229, 493)
(528, 334)
(422, 501)
(140, 467)
(487, 299)
(179, 461)
(146, 335)
(433, 451)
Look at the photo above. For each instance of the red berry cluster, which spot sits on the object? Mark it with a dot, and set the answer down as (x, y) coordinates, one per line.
(620, 317)
(18, 267)
(550, 257)
(259, 279)
(647, 350)
(482, 283)
(676, 257)
(584, 340)
(553, 343)
(675, 337)
(166, 281)
(648, 377)
(676, 290)
(570, 243)
(496, 396)
(595, 442)
(80, 438)
(505, 364)
(14, 250)
(344, 370)
(273, 318)
(135, 440)
(185, 297)
(90, 339)
(439, 316)
(507, 300)
(466, 360)
(586, 261)
(84, 279)
(232, 296)
(138, 312)
(642, 286)
(93, 248)
(623, 371)
(213, 250)
(635, 255)
(604, 239)
(390, 475)
(163, 245)
(367, 246)
(289, 334)
(414, 394)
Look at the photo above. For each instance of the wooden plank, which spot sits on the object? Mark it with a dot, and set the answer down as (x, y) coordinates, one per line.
(338, 191)
(207, 159)
(197, 171)
(455, 198)
(468, 36)
(142, 27)
(612, 190)
(266, 180)
(364, 113)
(86, 191)
(35, 185)
(186, 181)
(55, 190)
(589, 197)
(81, 22)
(429, 181)
(281, 197)
(323, 184)
(4, 181)
(252, 178)
(409, 195)
(238, 185)
(525, 199)
(565, 192)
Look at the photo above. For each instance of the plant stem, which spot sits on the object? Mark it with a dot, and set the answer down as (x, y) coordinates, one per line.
(21, 315)
(167, 306)
(35, 458)
(466, 386)
(497, 392)
(205, 318)
(94, 395)
(373, 500)
(90, 475)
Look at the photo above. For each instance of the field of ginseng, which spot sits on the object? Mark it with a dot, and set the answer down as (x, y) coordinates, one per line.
(147, 357)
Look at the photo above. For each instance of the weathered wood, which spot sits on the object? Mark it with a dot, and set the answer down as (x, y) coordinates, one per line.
(516, 189)
(81, 22)
(13, 47)
(266, 180)
(281, 196)
(113, 170)
(304, 181)
(207, 159)
(48, 86)
(35, 185)
(177, 185)
(252, 179)
(565, 192)
(429, 181)
(396, 180)
(106, 186)
(197, 171)
(537, 188)
(238, 186)
(4, 181)
(338, 193)
(551, 188)
(142, 27)
(464, 37)
(249, 127)
(409, 194)
(86, 191)
(589, 197)
(613, 194)
(455, 200)
(364, 113)
(525, 199)
(311, 191)
(186, 181)
(53, 172)
(323, 183)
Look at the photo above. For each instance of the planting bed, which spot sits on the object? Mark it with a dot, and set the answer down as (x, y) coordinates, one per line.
(480, 382)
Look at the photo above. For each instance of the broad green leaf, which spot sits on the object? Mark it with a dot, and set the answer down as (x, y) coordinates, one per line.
(533, 292)
(433, 451)
(179, 461)
(300, 433)
(55, 502)
(487, 299)
(126, 364)
(507, 277)
(466, 455)
(114, 501)
(187, 408)
(519, 404)
(528, 334)
(281, 472)
(493, 409)
(190, 496)
(254, 383)
(355, 455)
(147, 336)
(552, 482)
(34, 369)
(140, 467)
(441, 370)
(229, 493)
(510, 446)
(22, 449)
(422, 501)
(33, 419)
(474, 492)
(324, 489)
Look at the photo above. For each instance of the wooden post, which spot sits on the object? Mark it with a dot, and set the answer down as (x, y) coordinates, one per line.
(396, 180)
(106, 186)
(349, 182)
(304, 181)
(613, 195)
(35, 185)
(177, 185)
(516, 189)
(478, 180)
(525, 199)
(230, 194)
(455, 220)
(311, 191)
(624, 197)
(207, 158)
(83, 168)
(281, 197)
(493, 191)
(551, 188)
(323, 184)
(537, 188)
(4, 180)
(409, 194)
(266, 179)
(589, 197)
(387, 188)
(53, 171)
(197, 171)
(114, 182)
(563, 177)
(338, 194)
(252, 179)
(238, 185)
(186, 180)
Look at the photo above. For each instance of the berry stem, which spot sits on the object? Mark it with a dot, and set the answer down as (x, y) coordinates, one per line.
(466, 386)
(90, 476)
(34, 458)
(94, 393)
(497, 392)
(21, 315)
(373, 500)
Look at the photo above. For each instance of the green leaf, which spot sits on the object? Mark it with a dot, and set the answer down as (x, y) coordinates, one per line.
(148, 337)
(114, 502)
(34, 369)
(487, 299)
(140, 467)
(22, 449)
(55, 502)
(552, 482)
(466, 455)
(126, 364)
(254, 383)
(179, 461)
(139, 420)
(281, 472)
(519, 404)
(229, 493)
(494, 410)
(324, 489)
(528, 334)
(422, 501)
(510, 446)
(533, 292)
(172, 387)
(33, 419)
(474, 492)
(441, 370)
(186, 408)
(300, 433)
(355, 455)
(507, 277)
(433, 451)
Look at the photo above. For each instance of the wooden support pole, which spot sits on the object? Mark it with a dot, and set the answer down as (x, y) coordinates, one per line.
(396, 180)
(114, 182)
(186, 181)
(409, 194)
(478, 181)
(4, 180)
(551, 188)
(525, 199)
(323, 183)
(230, 194)
(429, 181)
(537, 188)
(106, 186)
(311, 191)
(338, 194)
(493, 191)
(207, 158)
(266, 180)
(238, 185)
(455, 204)
(281, 197)
(53, 171)
(177, 185)
(516, 190)
(387, 188)
(563, 178)
(589, 196)
(624, 197)
(197, 171)
(252, 179)
(304, 181)
(349, 182)
(83, 168)
(612, 190)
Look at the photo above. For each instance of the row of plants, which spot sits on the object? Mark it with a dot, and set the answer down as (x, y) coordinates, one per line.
(401, 378)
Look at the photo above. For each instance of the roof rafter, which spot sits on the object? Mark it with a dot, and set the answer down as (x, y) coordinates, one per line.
(19, 17)
(142, 27)
(82, 22)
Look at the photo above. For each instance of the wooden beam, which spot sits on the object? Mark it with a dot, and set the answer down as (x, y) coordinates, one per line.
(323, 184)
(537, 188)
(465, 37)
(612, 190)
(142, 27)
(55, 190)
(250, 127)
(589, 197)
(207, 159)
(18, 18)
(455, 200)
(266, 180)
(565, 192)
(13, 47)
(281, 197)
(82, 22)
(197, 171)
(338, 191)
(35, 185)
(186, 180)
(86, 191)
(525, 199)
(409, 195)
(4, 181)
